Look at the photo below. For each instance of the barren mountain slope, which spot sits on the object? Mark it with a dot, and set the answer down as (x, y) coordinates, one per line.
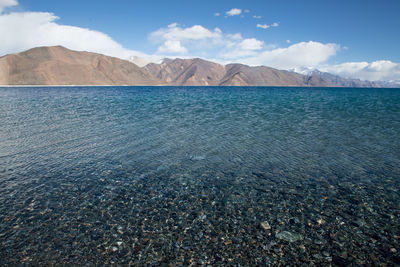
(242, 75)
(58, 65)
(187, 71)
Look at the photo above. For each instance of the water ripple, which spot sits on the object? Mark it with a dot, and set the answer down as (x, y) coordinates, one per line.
(145, 175)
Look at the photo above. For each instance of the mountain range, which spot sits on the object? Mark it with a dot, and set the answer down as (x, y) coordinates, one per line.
(57, 65)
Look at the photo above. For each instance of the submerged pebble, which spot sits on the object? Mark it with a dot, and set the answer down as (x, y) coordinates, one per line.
(265, 225)
(289, 236)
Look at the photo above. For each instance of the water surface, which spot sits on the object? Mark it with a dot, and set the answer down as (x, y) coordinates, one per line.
(181, 175)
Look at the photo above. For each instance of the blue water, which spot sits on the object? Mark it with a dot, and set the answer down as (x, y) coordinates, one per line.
(181, 175)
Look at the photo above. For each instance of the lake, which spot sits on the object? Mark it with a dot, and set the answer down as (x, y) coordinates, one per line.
(199, 175)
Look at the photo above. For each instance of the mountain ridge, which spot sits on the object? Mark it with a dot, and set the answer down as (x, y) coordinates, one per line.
(236, 74)
(57, 65)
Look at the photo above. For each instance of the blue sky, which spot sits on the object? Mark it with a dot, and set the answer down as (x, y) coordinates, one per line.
(353, 38)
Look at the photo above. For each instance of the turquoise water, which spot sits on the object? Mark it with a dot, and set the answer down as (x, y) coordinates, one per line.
(180, 175)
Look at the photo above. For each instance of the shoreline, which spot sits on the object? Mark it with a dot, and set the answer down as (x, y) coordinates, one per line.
(169, 85)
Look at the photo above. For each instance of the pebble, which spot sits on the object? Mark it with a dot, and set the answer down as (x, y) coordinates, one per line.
(289, 236)
(265, 225)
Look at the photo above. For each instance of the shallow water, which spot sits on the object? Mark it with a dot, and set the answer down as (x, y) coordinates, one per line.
(181, 175)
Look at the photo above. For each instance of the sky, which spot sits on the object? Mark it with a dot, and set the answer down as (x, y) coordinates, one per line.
(352, 38)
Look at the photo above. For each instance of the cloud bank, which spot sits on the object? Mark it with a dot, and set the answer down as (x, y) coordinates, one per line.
(196, 41)
(20, 31)
(174, 38)
(380, 70)
(310, 54)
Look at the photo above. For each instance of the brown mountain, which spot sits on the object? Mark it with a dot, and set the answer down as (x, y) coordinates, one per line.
(318, 78)
(58, 65)
(201, 72)
(187, 71)
(242, 75)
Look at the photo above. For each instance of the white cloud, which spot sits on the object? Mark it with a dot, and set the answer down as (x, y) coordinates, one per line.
(176, 39)
(246, 11)
(234, 12)
(307, 54)
(174, 32)
(251, 44)
(235, 56)
(236, 36)
(288, 41)
(381, 70)
(263, 26)
(241, 48)
(144, 61)
(173, 25)
(7, 3)
(20, 31)
(198, 41)
(172, 46)
(257, 17)
(266, 26)
(217, 14)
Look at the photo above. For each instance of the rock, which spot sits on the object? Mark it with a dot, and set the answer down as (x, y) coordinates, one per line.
(340, 261)
(289, 236)
(265, 225)
(229, 242)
